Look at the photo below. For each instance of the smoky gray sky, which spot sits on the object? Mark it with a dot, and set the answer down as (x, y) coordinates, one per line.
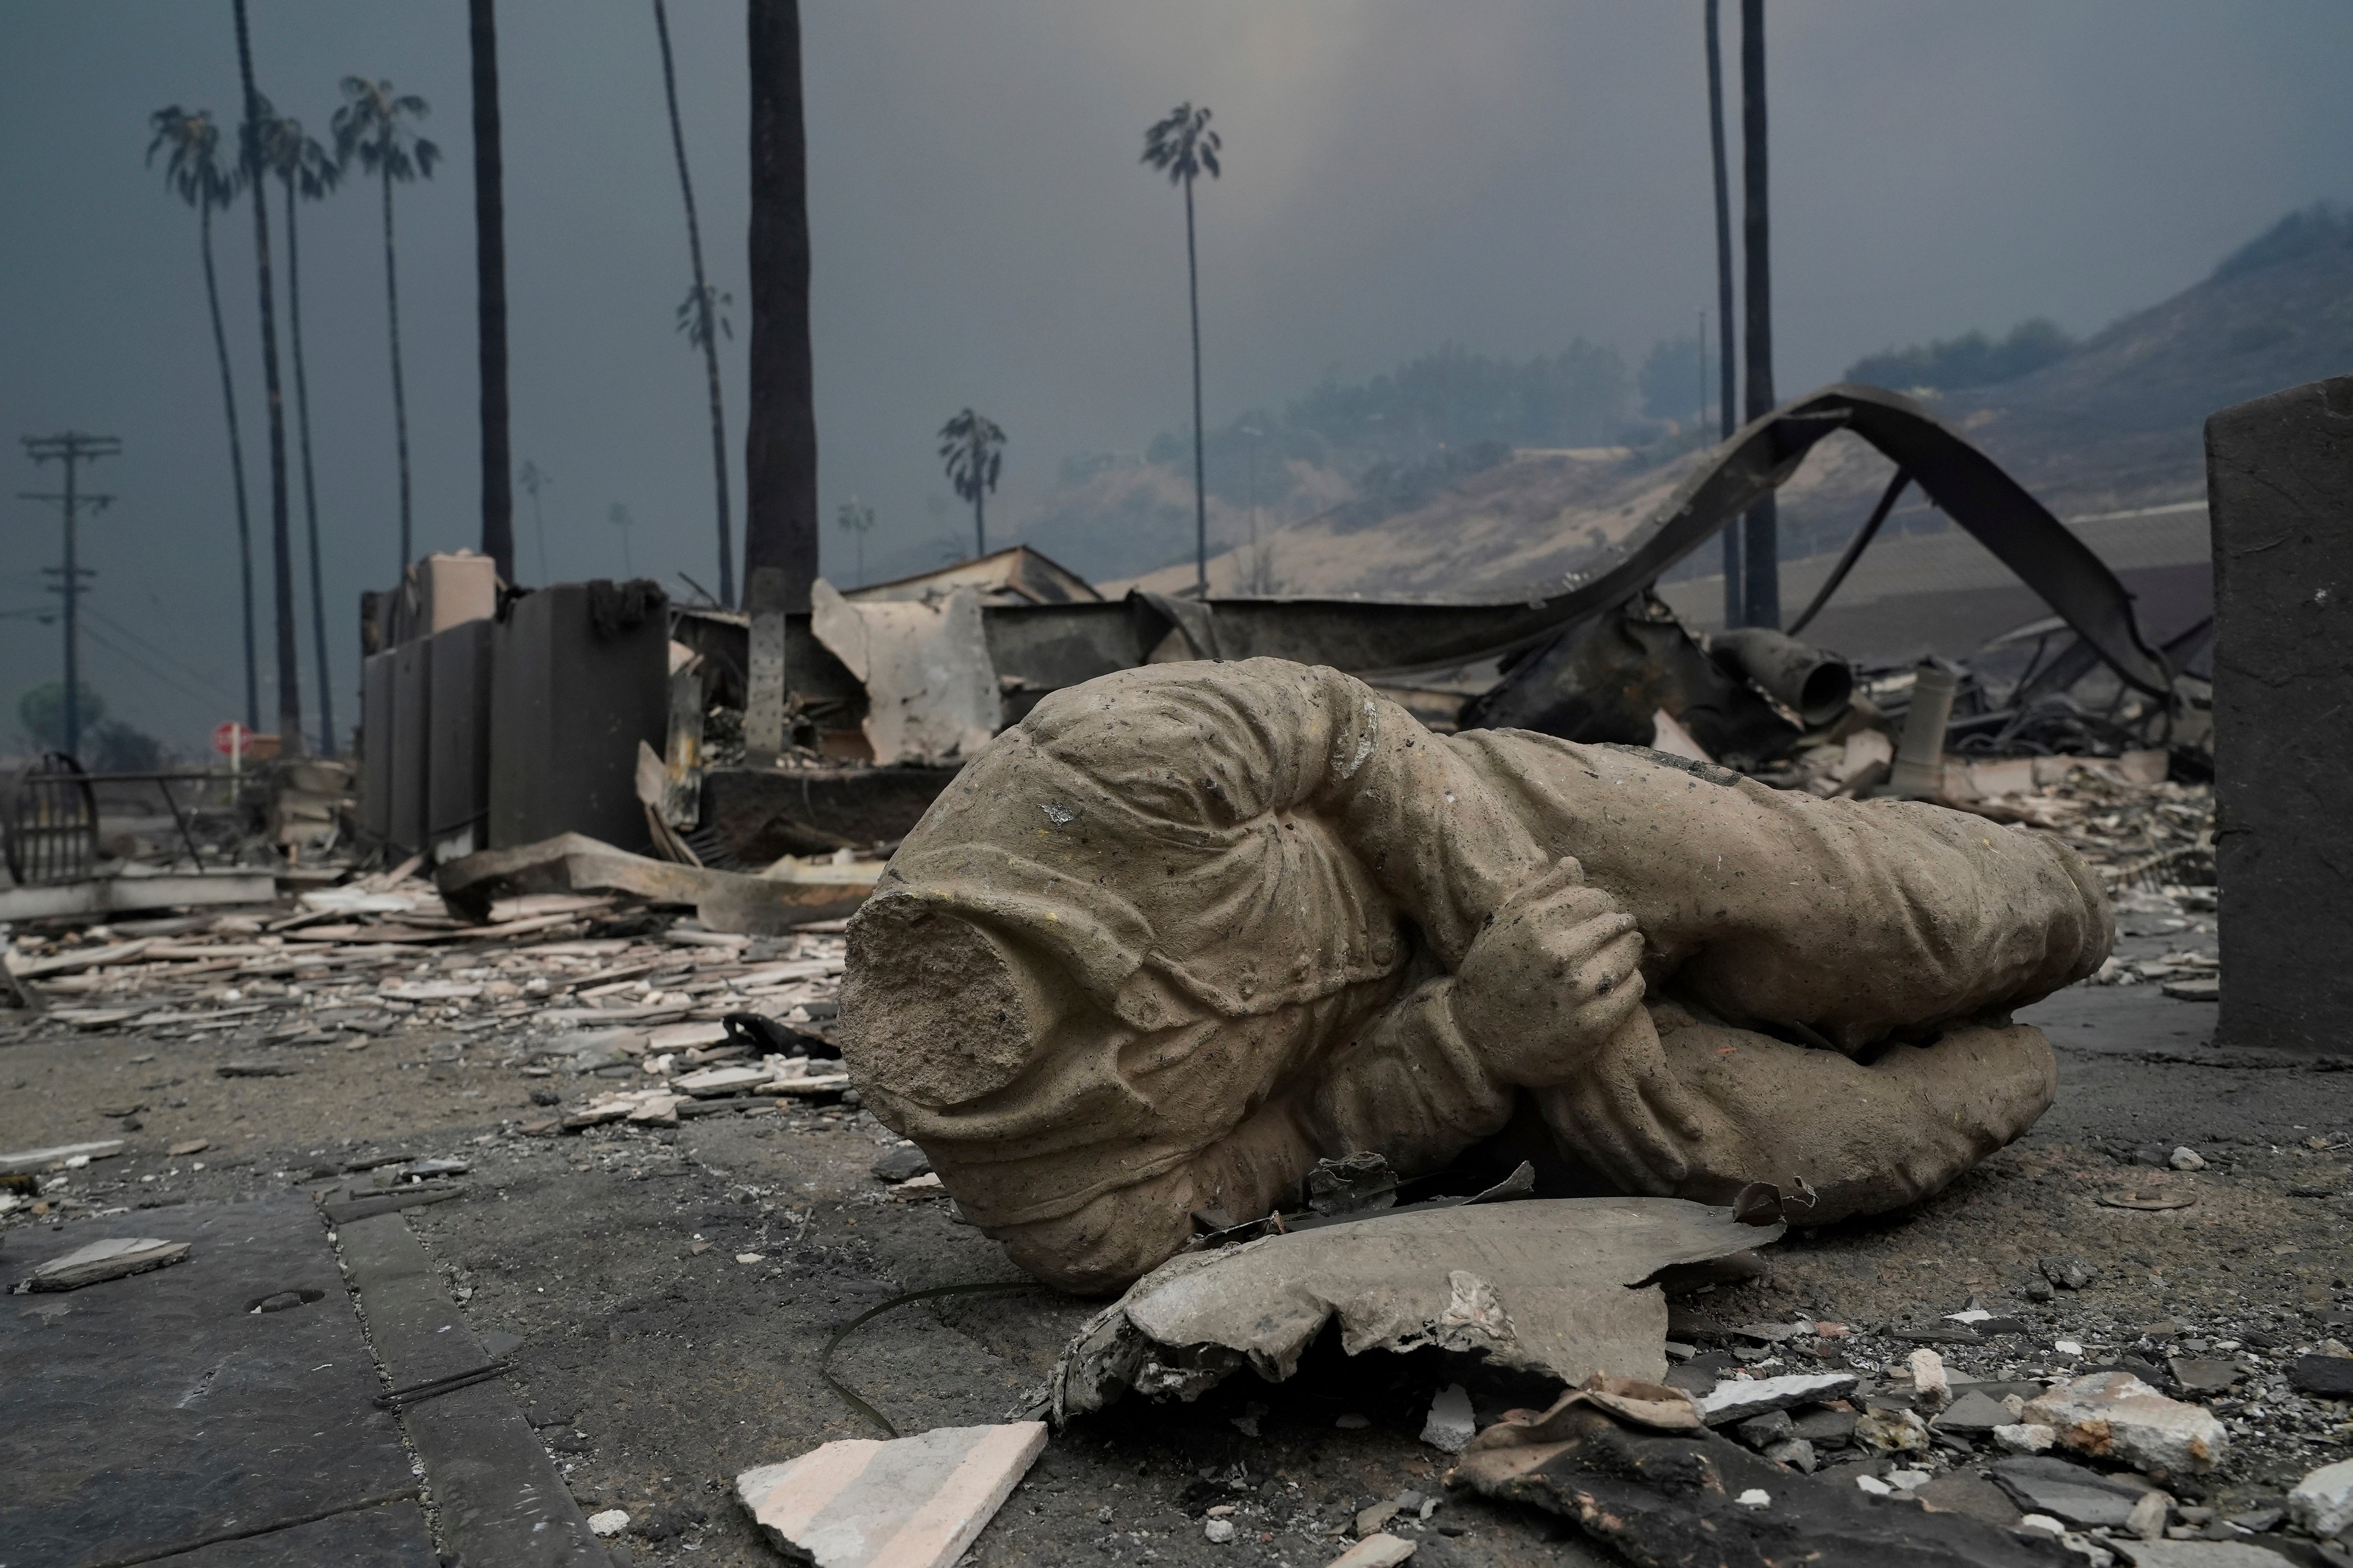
(1506, 174)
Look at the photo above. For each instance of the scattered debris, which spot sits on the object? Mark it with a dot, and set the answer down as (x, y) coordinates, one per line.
(1555, 1286)
(2322, 1502)
(787, 894)
(1450, 1426)
(1377, 1550)
(63, 1156)
(2068, 1273)
(1736, 1399)
(2329, 1376)
(1633, 1466)
(909, 1502)
(2117, 1416)
(111, 1260)
(2071, 1493)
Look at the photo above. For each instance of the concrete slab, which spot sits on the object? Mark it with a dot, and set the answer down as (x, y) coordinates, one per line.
(499, 1496)
(390, 1535)
(156, 1413)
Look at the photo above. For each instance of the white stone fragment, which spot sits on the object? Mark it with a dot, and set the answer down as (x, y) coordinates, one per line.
(1874, 1485)
(612, 1521)
(29, 1160)
(1930, 1388)
(913, 1502)
(2185, 1158)
(2025, 1437)
(1218, 1530)
(1450, 1425)
(105, 1260)
(2117, 1416)
(1382, 1551)
(2323, 1501)
(1736, 1399)
(1754, 1497)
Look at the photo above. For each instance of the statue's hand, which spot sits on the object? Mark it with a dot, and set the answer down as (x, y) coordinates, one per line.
(1626, 1114)
(1550, 978)
(1551, 995)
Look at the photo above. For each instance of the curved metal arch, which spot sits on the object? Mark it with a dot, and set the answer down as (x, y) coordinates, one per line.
(1369, 636)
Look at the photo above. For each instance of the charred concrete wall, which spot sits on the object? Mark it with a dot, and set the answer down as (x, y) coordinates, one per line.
(2280, 481)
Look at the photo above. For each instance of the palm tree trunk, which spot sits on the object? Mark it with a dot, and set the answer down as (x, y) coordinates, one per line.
(310, 486)
(1761, 550)
(1728, 358)
(399, 395)
(979, 523)
(491, 289)
(235, 465)
(1200, 494)
(780, 436)
(703, 300)
(282, 532)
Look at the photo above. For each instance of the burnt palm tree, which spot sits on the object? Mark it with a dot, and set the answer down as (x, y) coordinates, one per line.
(282, 532)
(699, 317)
(378, 126)
(307, 172)
(1182, 146)
(491, 289)
(195, 172)
(972, 448)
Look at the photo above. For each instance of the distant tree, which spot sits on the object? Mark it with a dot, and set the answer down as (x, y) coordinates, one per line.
(1182, 146)
(1673, 378)
(308, 173)
(378, 126)
(699, 317)
(197, 171)
(282, 529)
(118, 748)
(1973, 359)
(858, 518)
(41, 711)
(972, 448)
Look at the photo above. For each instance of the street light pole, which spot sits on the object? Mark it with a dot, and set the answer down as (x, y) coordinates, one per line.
(72, 448)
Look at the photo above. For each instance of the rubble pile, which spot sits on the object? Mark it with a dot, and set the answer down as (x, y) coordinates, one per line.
(356, 962)
(2047, 1410)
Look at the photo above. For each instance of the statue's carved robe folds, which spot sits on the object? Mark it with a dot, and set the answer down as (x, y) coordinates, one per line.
(1188, 928)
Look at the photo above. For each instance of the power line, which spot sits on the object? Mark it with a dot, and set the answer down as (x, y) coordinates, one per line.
(167, 654)
(72, 448)
(165, 675)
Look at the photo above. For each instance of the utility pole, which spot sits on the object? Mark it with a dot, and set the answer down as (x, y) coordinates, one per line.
(72, 448)
(1761, 548)
(1728, 367)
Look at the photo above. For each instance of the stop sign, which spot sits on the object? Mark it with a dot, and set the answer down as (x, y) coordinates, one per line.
(232, 738)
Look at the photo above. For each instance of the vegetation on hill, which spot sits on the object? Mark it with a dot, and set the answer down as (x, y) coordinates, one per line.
(2314, 229)
(1972, 359)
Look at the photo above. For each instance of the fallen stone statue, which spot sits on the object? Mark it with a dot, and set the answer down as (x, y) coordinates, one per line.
(1188, 929)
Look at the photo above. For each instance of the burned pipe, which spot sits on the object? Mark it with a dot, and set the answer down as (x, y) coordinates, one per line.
(1814, 685)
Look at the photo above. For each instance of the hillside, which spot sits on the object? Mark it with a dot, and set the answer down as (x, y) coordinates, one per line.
(2113, 426)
